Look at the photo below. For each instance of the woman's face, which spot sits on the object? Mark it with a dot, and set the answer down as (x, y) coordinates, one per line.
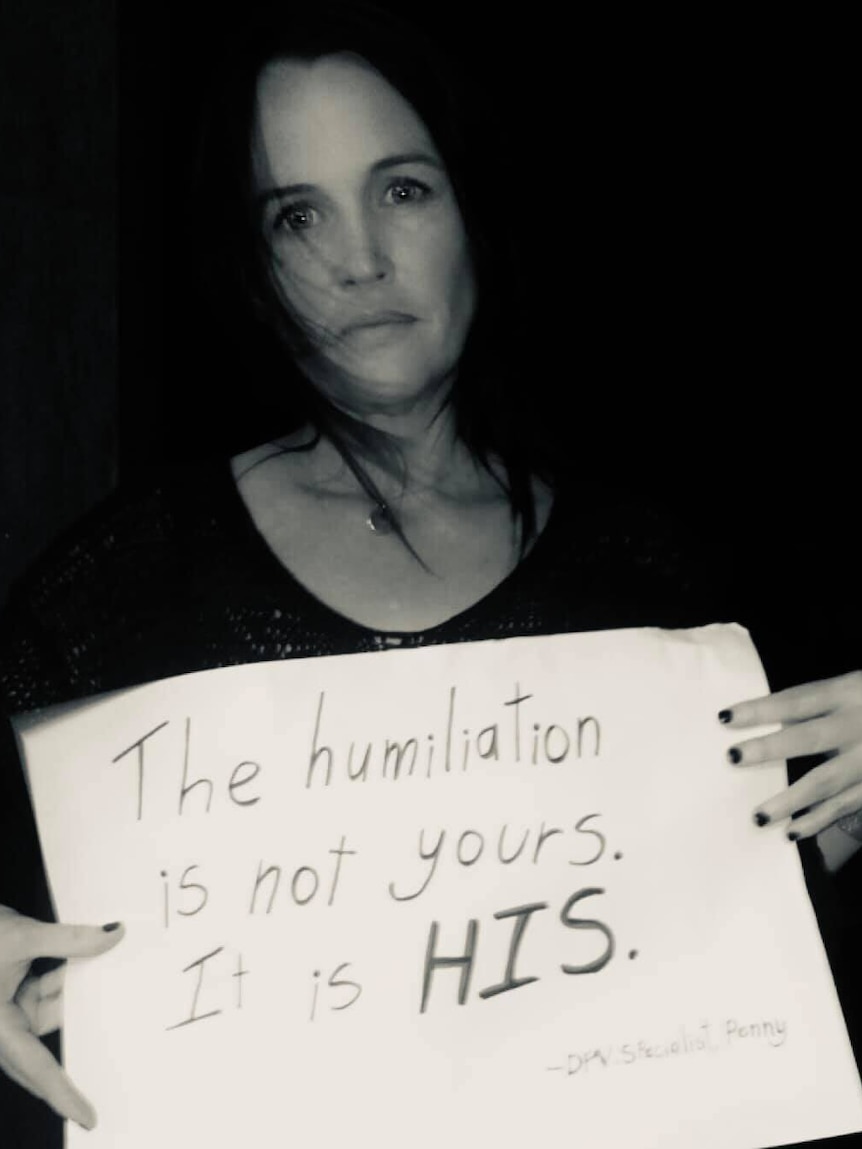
(367, 241)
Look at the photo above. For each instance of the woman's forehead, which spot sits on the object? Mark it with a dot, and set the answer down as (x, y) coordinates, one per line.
(319, 119)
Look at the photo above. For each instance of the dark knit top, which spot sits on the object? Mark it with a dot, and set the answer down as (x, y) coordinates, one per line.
(173, 577)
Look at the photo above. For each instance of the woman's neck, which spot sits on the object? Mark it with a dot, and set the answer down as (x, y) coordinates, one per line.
(430, 458)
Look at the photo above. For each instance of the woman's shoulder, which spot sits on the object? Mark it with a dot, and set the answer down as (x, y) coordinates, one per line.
(150, 514)
(633, 556)
(608, 520)
(121, 573)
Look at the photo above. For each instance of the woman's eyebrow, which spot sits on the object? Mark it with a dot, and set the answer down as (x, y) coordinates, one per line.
(407, 158)
(380, 165)
(284, 190)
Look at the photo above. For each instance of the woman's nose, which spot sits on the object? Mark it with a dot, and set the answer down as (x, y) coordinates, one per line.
(362, 259)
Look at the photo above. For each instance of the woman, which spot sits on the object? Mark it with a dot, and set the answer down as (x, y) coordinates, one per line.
(408, 505)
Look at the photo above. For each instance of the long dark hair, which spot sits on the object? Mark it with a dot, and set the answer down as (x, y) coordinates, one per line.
(491, 399)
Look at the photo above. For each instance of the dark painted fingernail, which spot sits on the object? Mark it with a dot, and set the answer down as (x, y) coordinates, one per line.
(761, 819)
(725, 715)
(111, 926)
(734, 755)
(792, 836)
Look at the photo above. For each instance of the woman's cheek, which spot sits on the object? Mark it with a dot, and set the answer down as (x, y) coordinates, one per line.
(305, 291)
(439, 261)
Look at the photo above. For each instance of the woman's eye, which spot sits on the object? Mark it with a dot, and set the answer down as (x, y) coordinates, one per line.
(295, 217)
(407, 191)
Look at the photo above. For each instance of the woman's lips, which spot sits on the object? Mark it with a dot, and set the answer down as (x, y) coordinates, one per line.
(381, 319)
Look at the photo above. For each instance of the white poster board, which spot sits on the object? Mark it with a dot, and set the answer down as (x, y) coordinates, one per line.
(496, 894)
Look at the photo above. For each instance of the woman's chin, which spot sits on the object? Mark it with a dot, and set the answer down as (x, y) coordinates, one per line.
(393, 391)
(387, 398)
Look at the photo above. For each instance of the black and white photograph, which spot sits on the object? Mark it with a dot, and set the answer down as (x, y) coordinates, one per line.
(430, 616)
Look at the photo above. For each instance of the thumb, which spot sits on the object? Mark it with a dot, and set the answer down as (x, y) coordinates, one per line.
(46, 939)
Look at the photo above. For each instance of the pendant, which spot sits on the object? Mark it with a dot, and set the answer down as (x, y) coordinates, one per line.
(380, 520)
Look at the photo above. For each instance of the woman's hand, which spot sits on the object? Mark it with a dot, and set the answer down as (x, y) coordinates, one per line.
(818, 718)
(30, 1005)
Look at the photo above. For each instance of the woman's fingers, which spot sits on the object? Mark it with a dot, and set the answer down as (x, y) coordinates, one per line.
(798, 703)
(25, 939)
(41, 999)
(834, 785)
(815, 737)
(818, 718)
(30, 1004)
(825, 813)
(51, 984)
(26, 1060)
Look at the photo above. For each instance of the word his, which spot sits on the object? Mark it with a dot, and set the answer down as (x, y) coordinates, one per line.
(510, 981)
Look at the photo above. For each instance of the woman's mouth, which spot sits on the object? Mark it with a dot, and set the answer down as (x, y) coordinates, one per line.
(380, 320)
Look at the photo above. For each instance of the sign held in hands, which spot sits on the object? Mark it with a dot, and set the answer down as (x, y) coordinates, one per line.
(502, 893)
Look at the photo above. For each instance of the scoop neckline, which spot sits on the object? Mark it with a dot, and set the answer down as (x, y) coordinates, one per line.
(277, 568)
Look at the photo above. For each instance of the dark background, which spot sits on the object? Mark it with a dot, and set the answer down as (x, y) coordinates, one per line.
(679, 188)
(58, 269)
